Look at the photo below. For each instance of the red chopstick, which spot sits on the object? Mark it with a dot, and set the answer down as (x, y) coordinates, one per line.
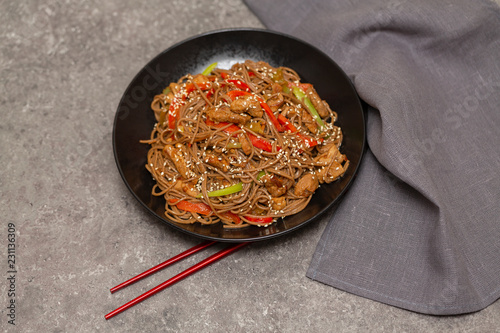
(164, 264)
(193, 269)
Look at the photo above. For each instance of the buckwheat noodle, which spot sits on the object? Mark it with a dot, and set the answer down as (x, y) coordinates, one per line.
(204, 141)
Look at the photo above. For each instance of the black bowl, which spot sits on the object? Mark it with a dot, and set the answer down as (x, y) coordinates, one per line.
(134, 119)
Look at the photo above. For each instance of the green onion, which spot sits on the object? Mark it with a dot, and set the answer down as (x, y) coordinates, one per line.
(166, 91)
(314, 112)
(209, 69)
(279, 79)
(260, 174)
(225, 191)
(162, 118)
(255, 127)
(231, 145)
(300, 94)
(286, 90)
(278, 76)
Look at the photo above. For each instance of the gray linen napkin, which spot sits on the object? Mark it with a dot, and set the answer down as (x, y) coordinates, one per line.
(420, 227)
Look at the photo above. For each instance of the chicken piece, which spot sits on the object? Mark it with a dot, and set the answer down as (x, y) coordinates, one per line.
(276, 88)
(275, 102)
(249, 104)
(178, 185)
(202, 81)
(274, 185)
(332, 150)
(306, 185)
(329, 153)
(187, 187)
(218, 161)
(333, 170)
(332, 164)
(318, 103)
(223, 114)
(278, 203)
(177, 157)
(246, 146)
(289, 111)
(309, 121)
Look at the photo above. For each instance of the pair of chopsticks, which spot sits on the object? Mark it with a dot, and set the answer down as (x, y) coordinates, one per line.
(193, 269)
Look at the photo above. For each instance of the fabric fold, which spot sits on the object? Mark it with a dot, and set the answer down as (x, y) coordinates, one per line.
(420, 226)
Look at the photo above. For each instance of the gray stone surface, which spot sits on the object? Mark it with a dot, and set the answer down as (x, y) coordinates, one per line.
(63, 68)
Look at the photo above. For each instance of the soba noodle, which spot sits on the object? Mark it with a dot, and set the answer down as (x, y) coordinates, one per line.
(241, 146)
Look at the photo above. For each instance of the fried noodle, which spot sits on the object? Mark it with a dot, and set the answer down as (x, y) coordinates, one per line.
(242, 146)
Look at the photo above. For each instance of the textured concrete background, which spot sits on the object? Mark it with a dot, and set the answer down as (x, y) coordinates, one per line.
(63, 68)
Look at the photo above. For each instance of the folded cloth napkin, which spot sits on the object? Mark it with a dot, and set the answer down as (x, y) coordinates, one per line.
(420, 227)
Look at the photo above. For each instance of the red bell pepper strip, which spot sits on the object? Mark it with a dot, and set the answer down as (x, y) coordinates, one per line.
(256, 141)
(304, 86)
(235, 93)
(231, 216)
(272, 117)
(204, 209)
(239, 84)
(229, 129)
(210, 93)
(310, 142)
(260, 143)
(173, 111)
(190, 87)
(285, 122)
(263, 220)
(195, 207)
